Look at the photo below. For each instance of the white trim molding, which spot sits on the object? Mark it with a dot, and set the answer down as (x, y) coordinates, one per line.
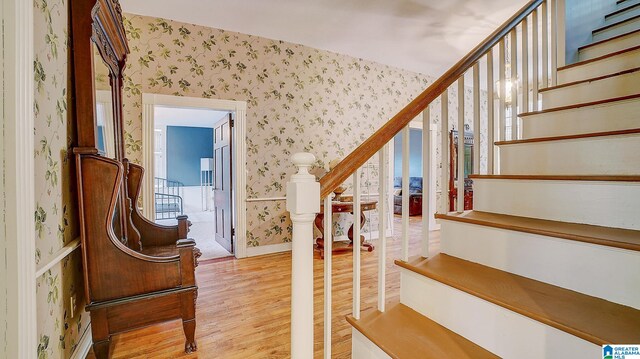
(19, 189)
(239, 153)
(84, 346)
(60, 255)
(266, 199)
(268, 249)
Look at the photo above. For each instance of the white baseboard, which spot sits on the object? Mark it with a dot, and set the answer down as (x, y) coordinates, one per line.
(84, 345)
(285, 247)
(268, 249)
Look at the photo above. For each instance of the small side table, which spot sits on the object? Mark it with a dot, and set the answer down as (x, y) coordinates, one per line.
(344, 207)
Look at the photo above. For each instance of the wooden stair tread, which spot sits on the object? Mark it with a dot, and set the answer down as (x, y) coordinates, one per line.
(624, 9)
(634, 32)
(592, 319)
(570, 137)
(401, 332)
(598, 78)
(603, 57)
(579, 105)
(633, 18)
(596, 178)
(606, 236)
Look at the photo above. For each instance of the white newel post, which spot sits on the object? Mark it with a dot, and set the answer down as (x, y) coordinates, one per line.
(303, 203)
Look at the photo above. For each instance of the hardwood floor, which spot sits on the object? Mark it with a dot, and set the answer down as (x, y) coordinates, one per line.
(243, 308)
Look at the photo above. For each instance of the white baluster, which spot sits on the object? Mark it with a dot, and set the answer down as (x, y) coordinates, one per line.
(514, 85)
(460, 160)
(490, 115)
(476, 118)
(525, 67)
(535, 54)
(328, 279)
(545, 44)
(382, 227)
(444, 141)
(554, 42)
(502, 90)
(303, 203)
(426, 181)
(405, 193)
(356, 244)
(561, 33)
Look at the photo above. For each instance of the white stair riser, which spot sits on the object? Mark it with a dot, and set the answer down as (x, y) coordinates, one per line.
(621, 115)
(615, 86)
(609, 204)
(499, 330)
(363, 348)
(631, 12)
(610, 65)
(578, 266)
(624, 42)
(605, 155)
(617, 30)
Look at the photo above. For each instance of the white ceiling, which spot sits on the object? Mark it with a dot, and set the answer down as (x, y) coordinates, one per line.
(188, 117)
(426, 36)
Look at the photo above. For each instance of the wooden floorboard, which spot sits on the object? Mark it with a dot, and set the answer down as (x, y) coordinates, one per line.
(243, 308)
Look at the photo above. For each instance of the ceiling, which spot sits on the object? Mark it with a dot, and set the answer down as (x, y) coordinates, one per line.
(426, 36)
(189, 117)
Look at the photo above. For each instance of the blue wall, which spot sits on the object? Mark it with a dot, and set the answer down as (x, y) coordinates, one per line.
(101, 139)
(415, 154)
(185, 147)
(583, 16)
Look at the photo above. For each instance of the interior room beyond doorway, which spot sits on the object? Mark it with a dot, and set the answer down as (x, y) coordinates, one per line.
(185, 172)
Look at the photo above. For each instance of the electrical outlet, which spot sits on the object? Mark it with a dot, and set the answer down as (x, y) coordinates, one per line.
(72, 305)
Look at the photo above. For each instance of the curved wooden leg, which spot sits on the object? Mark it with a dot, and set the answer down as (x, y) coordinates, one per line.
(100, 333)
(188, 308)
(189, 327)
(101, 349)
(368, 246)
(319, 223)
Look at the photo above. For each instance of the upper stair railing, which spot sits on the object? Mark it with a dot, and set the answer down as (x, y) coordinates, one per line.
(525, 52)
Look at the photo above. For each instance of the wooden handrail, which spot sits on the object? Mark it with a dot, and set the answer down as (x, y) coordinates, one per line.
(373, 144)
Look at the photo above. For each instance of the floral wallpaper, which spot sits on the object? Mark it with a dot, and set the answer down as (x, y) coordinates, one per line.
(59, 330)
(299, 99)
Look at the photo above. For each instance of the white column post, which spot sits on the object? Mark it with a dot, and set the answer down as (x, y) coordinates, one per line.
(21, 334)
(303, 203)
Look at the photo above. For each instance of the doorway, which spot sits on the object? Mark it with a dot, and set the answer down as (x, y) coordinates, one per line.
(192, 152)
(416, 182)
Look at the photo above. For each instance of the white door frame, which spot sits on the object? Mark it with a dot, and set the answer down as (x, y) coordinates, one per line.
(433, 131)
(239, 155)
(19, 164)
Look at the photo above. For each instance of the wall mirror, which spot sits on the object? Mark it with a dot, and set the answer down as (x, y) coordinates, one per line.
(105, 135)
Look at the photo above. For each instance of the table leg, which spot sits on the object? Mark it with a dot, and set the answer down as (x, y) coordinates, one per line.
(368, 246)
(319, 223)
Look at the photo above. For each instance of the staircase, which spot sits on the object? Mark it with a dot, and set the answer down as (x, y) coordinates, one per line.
(547, 265)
